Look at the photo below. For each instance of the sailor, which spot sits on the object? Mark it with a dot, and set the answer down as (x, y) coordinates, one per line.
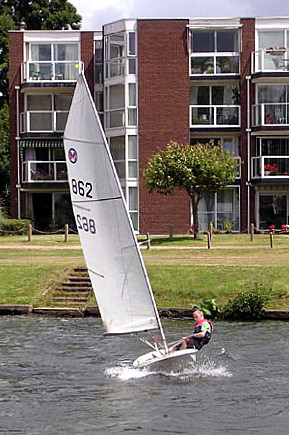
(202, 333)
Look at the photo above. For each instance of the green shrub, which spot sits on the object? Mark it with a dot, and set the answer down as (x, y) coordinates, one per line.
(13, 226)
(209, 308)
(247, 304)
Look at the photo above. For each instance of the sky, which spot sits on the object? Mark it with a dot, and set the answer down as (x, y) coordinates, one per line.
(95, 13)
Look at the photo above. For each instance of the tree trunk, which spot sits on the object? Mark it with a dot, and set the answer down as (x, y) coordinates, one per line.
(195, 217)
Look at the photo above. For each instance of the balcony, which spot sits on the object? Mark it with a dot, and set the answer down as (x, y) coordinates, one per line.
(50, 71)
(270, 114)
(270, 167)
(43, 121)
(216, 64)
(44, 172)
(270, 60)
(202, 116)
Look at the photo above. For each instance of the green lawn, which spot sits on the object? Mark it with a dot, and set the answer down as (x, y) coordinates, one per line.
(182, 272)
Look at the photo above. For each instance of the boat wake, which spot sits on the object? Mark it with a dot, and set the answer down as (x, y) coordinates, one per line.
(207, 369)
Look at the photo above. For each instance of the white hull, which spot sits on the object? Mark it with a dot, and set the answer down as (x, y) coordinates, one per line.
(175, 361)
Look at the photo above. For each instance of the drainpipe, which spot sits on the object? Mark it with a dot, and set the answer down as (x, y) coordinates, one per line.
(248, 131)
(18, 185)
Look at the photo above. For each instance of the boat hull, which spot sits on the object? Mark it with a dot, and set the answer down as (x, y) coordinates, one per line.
(175, 361)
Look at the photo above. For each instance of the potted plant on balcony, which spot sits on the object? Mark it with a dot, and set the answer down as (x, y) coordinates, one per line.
(276, 51)
(270, 169)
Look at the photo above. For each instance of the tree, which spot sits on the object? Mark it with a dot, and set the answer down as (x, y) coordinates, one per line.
(198, 169)
(37, 15)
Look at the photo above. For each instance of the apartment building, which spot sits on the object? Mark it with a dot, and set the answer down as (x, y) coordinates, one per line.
(153, 81)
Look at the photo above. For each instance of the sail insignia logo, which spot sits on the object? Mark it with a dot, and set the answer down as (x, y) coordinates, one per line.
(72, 155)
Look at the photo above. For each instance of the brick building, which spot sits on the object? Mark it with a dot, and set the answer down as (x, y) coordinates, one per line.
(154, 81)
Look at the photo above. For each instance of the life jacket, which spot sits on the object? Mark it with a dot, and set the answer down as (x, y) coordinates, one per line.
(198, 328)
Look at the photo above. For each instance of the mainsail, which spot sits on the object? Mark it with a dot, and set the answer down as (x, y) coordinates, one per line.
(113, 259)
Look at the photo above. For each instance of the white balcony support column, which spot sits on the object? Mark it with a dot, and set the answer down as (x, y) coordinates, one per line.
(248, 78)
(17, 88)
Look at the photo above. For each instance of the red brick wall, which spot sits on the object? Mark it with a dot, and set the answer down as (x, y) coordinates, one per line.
(16, 58)
(87, 52)
(164, 95)
(248, 46)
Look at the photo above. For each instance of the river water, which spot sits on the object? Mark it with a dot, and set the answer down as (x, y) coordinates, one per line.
(61, 376)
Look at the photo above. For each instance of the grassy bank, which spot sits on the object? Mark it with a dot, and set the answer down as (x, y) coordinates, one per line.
(182, 271)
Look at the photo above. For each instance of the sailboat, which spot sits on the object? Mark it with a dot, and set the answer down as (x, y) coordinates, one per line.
(114, 262)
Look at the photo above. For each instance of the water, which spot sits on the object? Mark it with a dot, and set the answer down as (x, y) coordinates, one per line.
(61, 376)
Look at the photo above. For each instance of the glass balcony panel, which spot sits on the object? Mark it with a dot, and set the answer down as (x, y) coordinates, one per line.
(44, 171)
(228, 64)
(270, 166)
(202, 65)
(40, 121)
(202, 115)
(270, 59)
(61, 171)
(227, 116)
(41, 171)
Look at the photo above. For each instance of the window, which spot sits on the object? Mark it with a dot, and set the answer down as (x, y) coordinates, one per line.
(210, 105)
(222, 209)
(272, 105)
(132, 109)
(132, 157)
(114, 55)
(115, 103)
(56, 61)
(117, 147)
(45, 113)
(223, 46)
(133, 205)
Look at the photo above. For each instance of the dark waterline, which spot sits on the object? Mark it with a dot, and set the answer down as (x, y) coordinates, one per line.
(61, 376)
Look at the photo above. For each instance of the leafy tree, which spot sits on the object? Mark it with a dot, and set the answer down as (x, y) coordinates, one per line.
(198, 169)
(38, 15)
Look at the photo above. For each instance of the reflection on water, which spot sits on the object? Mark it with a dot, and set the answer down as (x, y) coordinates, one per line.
(61, 376)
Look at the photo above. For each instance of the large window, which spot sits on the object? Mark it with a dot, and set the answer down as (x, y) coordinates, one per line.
(55, 61)
(115, 106)
(215, 51)
(272, 105)
(114, 55)
(215, 105)
(45, 113)
(222, 209)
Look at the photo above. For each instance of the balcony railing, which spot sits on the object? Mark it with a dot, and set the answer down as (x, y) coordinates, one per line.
(43, 121)
(215, 64)
(51, 71)
(270, 114)
(34, 171)
(270, 167)
(271, 59)
(214, 116)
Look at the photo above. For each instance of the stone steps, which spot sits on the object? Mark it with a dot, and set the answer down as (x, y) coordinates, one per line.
(76, 290)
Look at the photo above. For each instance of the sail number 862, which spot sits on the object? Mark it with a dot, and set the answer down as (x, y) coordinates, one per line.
(81, 188)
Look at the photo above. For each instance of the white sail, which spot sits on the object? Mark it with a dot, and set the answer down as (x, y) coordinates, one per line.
(110, 248)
